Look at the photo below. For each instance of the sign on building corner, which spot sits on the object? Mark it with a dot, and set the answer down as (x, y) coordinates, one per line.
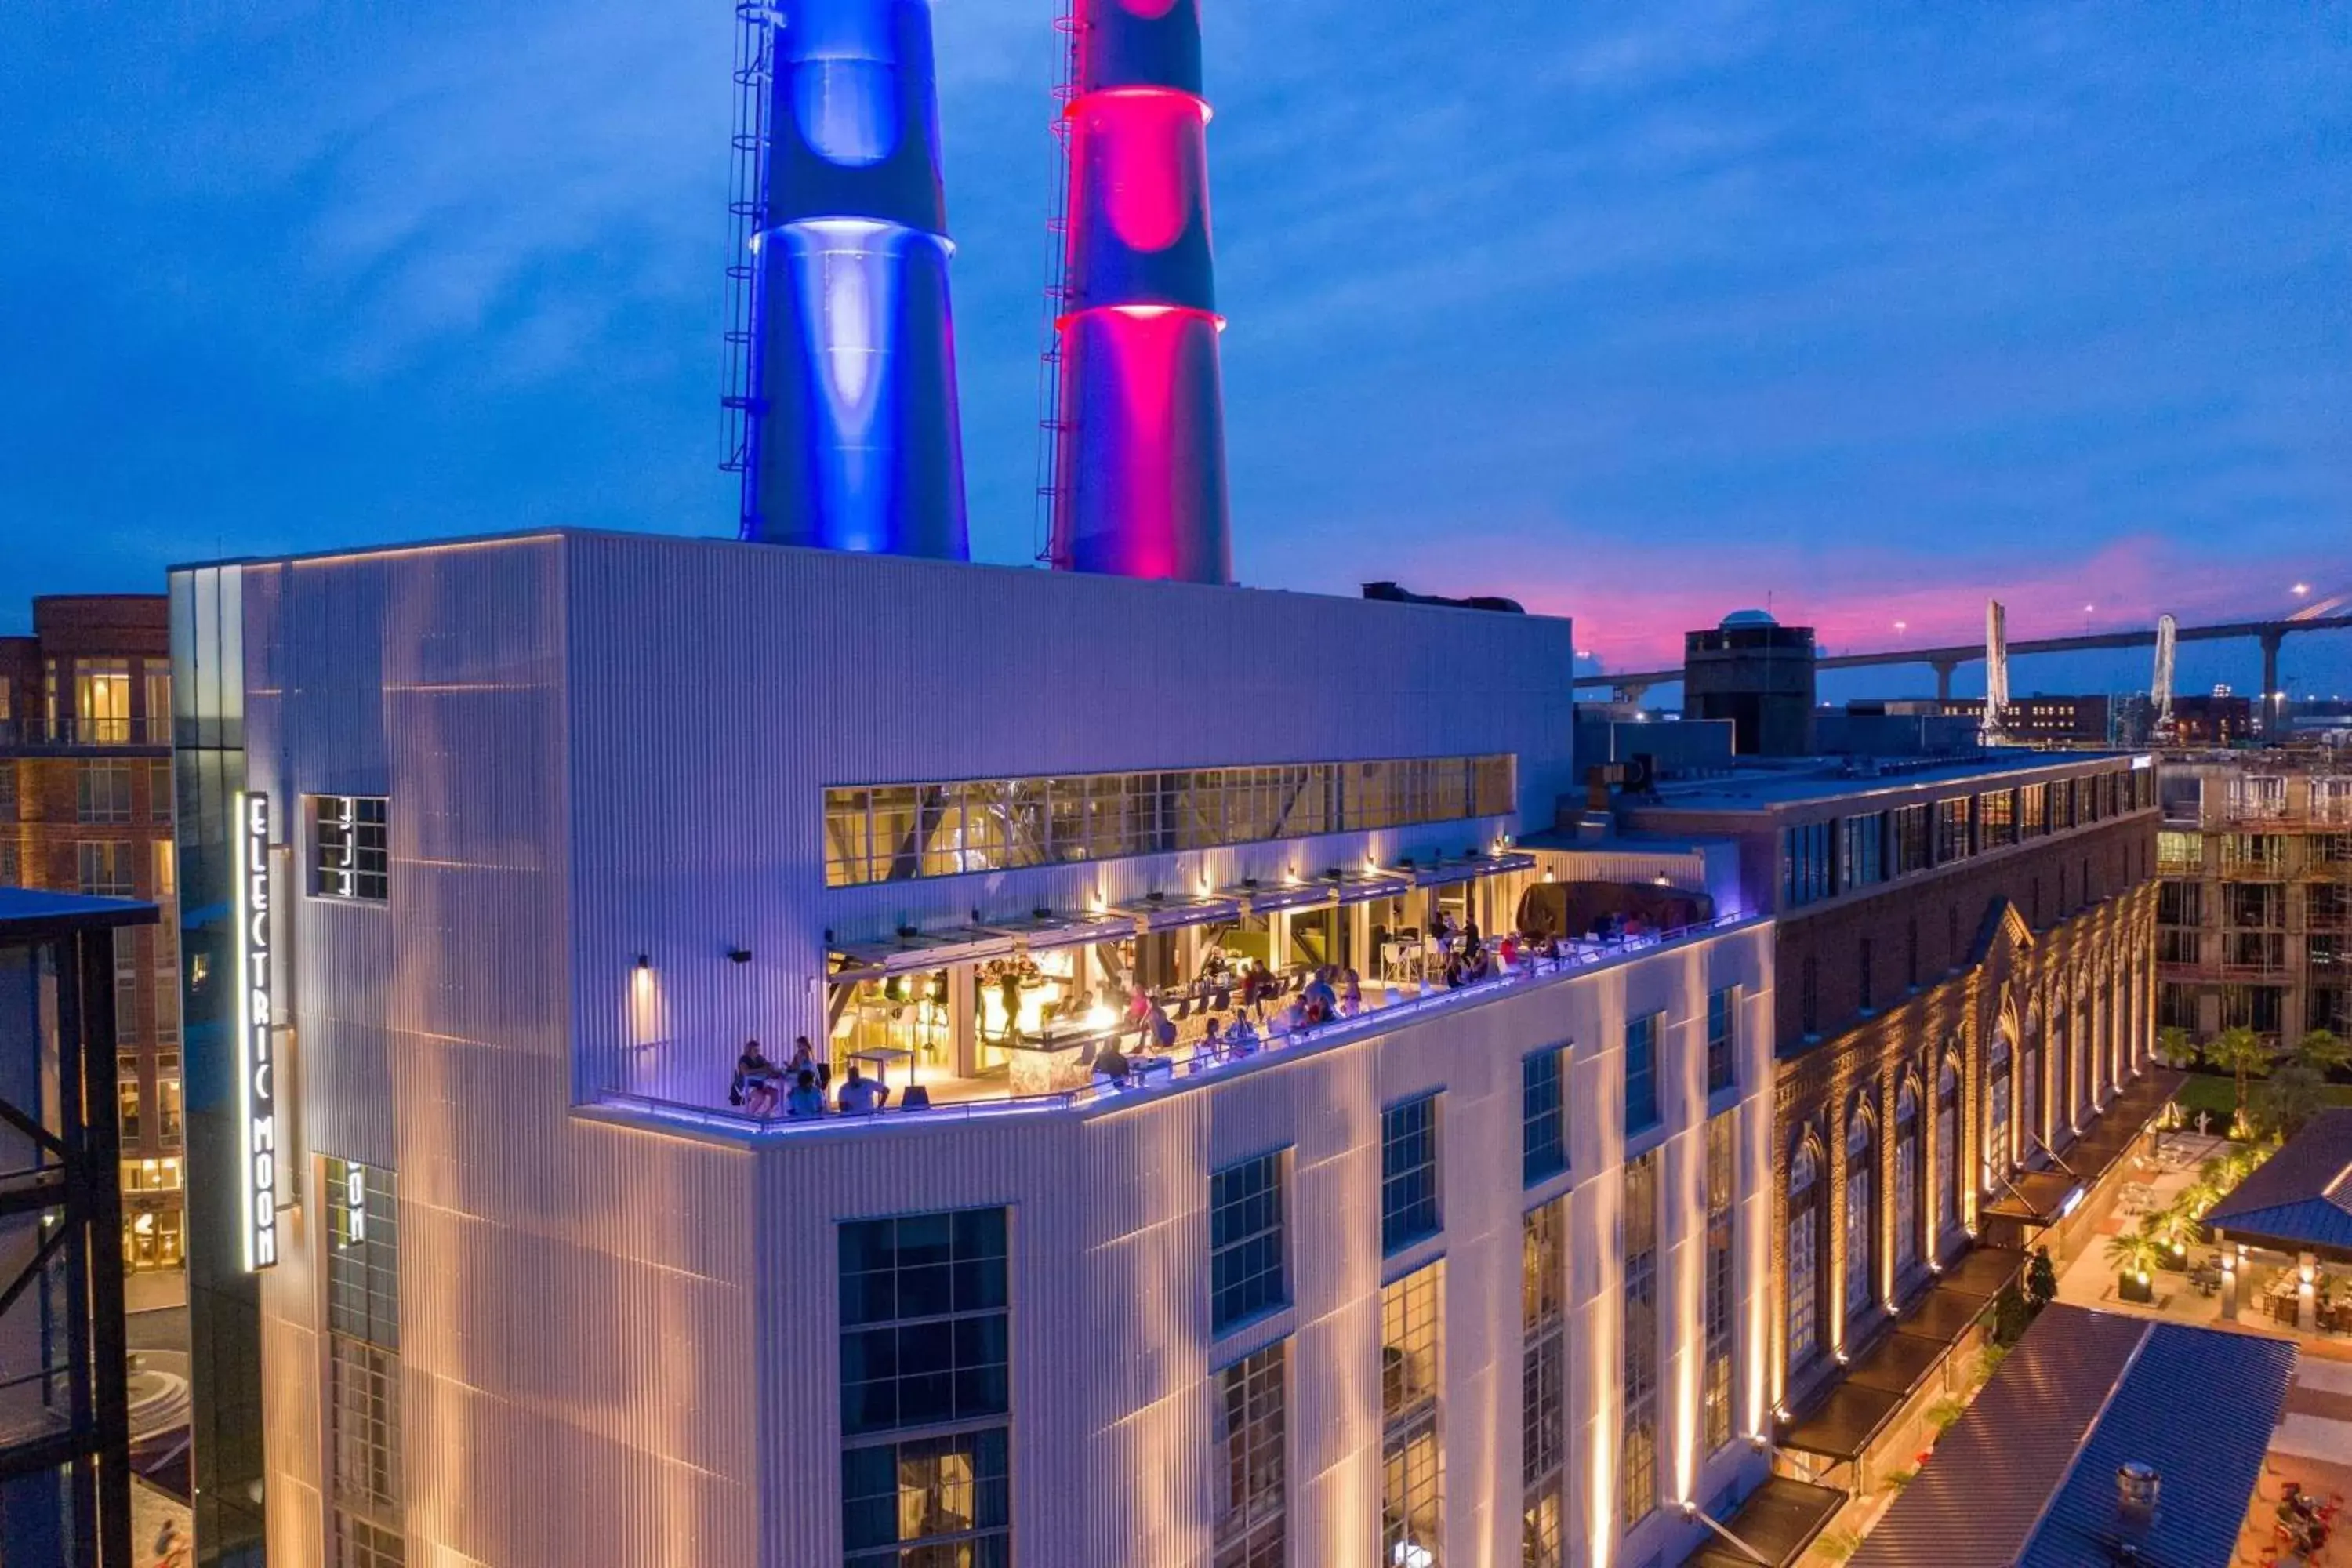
(257, 1056)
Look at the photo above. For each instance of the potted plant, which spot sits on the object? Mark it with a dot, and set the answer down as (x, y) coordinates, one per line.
(2173, 1229)
(2135, 1257)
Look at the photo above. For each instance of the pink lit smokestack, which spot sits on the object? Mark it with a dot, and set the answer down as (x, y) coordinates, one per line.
(1139, 475)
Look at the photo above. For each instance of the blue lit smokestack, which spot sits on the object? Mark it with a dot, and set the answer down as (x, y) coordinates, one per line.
(852, 439)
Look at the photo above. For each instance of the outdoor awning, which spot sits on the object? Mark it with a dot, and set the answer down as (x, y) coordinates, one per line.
(1044, 929)
(1174, 912)
(1441, 870)
(1777, 1522)
(912, 953)
(1266, 897)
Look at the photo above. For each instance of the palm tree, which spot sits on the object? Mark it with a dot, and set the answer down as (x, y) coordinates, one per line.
(2323, 1052)
(2175, 1046)
(2197, 1197)
(2173, 1228)
(2135, 1258)
(2241, 1053)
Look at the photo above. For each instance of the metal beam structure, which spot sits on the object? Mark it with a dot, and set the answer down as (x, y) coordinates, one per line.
(2269, 634)
(65, 1421)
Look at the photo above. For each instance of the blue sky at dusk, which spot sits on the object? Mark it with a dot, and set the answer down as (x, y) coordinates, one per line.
(1639, 313)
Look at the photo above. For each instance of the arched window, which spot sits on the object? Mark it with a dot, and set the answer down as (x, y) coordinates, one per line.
(2086, 1040)
(1948, 1150)
(2029, 1092)
(1906, 1179)
(1861, 1212)
(1997, 1159)
(1805, 1254)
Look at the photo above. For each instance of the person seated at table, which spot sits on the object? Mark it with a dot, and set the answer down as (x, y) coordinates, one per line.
(807, 1099)
(1291, 1020)
(1110, 1063)
(1213, 1039)
(860, 1094)
(1243, 1041)
(1158, 1028)
(1477, 966)
(805, 1060)
(1351, 995)
(1320, 995)
(1508, 951)
(754, 1087)
(1457, 971)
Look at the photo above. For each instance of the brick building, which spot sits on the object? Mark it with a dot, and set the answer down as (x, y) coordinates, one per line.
(86, 807)
(1964, 1022)
(2254, 915)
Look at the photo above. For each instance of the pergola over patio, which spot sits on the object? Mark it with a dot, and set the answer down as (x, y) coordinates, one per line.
(2299, 1202)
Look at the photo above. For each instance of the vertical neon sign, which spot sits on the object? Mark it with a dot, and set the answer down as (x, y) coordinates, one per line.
(257, 1062)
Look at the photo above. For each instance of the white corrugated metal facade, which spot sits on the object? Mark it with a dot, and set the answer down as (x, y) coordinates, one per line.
(619, 1344)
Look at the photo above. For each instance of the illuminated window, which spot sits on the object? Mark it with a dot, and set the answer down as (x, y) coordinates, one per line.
(1253, 1478)
(1906, 1180)
(1861, 842)
(1807, 870)
(1952, 822)
(1996, 1159)
(1413, 1465)
(1245, 1241)
(947, 1500)
(364, 1477)
(1861, 1212)
(158, 730)
(168, 1110)
(127, 1101)
(1638, 1451)
(350, 853)
(102, 701)
(1409, 1194)
(1543, 1119)
(1913, 828)
(1948, 1148)
(925, 1332)
(896, 833)
(167, 867)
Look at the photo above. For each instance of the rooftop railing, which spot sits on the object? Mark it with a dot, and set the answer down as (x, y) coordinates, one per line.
(1154, 1076)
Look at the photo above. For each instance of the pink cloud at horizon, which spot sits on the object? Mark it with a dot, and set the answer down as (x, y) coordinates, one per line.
(1630, 617)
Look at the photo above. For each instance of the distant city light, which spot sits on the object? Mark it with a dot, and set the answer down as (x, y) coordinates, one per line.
(2303, 588)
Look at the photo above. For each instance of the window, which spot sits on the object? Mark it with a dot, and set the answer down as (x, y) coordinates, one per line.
(945, 1501)
(127, 1101)
(1409, 1208)
(102, 701)
(168, 1110)
(363, 1403)
(1543, 1120)
(167, 867)
(158, 792)
(1948, 1148)
(1722, 1038)
(2260, 905)
(1906, 1180)
(1717, 1307)
(1412, 1468)
(104, 870)
(102, 792)
(126, 984)
(2254, 854)
(1809, 996)
(1641, 1073)
(1913, 843)
(158, 729)
(1638, 1450)
(2256, 1007)
(925, 1339)
(2179, 852)
(350, 853)
(1246, 1238)
(1997, 1159)
(895, 833)
(1804, 1256)
(8, 779)
(1252, 1479)
(1996, 818)
(1952, 824)
(1806, 868)
(1864, 995)
(1543, 1382)
(2032, 811)
(11, 873)
(1860, 1212)
(1861, 846)
(2181, 903)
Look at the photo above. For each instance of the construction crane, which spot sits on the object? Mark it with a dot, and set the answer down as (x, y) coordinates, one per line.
(2167, 634)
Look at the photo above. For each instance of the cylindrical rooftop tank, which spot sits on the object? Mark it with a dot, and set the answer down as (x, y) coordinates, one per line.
(855, 441)
(1140, 471)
